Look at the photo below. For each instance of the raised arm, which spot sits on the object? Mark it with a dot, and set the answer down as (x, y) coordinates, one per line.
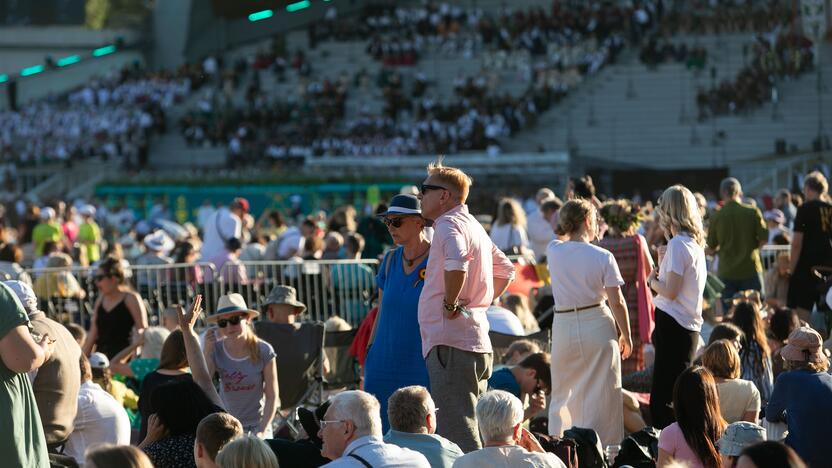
(199, 369)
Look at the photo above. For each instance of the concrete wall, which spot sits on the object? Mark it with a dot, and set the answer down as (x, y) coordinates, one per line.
(59, 37)
(63, 79)
(209, 34)
(171, 24)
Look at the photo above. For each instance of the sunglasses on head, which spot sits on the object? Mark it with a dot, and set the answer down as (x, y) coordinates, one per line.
(427, 187)
(394, 222)
(222, 323)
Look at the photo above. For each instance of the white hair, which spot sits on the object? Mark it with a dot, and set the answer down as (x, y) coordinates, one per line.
(362, 409)
(154, 339)
(498, 413)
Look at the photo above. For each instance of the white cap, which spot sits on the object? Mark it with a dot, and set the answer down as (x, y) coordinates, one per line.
(47, 213)
(87, 210)
(99, 361)
(25, 294)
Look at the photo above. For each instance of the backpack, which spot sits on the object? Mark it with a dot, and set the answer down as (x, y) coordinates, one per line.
(639, 449)
(565, 449)
(590, 452)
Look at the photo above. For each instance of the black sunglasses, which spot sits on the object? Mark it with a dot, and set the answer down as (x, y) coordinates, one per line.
(394, 222)
(426, 187)
(222, 323)
(101, 277)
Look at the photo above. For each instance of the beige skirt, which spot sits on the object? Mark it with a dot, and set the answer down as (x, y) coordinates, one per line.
(586, 375)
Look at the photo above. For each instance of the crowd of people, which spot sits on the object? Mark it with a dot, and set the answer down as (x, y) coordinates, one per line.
(560, 49)
(662, 321)
(784, 57)
(108, 118)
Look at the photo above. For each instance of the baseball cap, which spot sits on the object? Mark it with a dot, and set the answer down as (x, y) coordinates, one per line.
(99, 361)
(242, 203)
(26, 295)
(739, 435)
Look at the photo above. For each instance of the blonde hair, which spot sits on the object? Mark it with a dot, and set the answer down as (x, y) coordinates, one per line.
(816, 181)
(246, 451)
(154, 339)
(573, 214)
(678, 209)
(216, 430)
(518, 305)
(252, 342)
(123, 456)
(510, 212)
(722, 359)
(455, 178)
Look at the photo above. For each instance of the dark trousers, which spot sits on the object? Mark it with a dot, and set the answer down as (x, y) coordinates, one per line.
(675, 348)
(734, 286)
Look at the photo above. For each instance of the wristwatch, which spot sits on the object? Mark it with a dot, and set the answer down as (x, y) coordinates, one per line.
(450, 307)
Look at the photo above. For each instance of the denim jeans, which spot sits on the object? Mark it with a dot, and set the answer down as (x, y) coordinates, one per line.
(734, 286)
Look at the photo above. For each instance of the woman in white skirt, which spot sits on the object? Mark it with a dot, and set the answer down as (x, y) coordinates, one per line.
(588, 340)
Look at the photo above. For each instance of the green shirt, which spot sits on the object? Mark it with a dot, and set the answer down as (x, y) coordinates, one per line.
(89, 235)
(43, 233)
(736, 232)
(22, 443)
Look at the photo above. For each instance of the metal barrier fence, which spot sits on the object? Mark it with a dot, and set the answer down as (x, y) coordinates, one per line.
(769, 254)
(328, 287)
(338, 287)
(68, 294)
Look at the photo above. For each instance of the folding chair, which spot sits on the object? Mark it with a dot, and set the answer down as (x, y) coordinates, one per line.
(343, 368)
(299, 353)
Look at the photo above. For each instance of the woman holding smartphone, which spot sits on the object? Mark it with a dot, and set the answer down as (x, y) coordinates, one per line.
(679, 284)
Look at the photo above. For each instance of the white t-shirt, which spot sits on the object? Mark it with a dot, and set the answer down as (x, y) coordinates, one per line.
(504, 321)
(506, 236)
(580, 272)
(100, 418)
(540, 233)
(686, 258)
(737, 397)
(230, 225)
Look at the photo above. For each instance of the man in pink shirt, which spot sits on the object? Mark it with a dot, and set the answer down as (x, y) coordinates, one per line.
(465, 273)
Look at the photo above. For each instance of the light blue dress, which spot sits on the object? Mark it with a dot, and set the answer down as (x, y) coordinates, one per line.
(395, 358)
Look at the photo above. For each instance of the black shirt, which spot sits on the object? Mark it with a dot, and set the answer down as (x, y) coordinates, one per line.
(814, 221)
(150, 382)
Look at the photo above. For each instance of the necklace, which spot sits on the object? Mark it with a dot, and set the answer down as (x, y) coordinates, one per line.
(410, 261)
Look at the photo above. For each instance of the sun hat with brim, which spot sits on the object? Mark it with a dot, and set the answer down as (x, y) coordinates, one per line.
(739, 435)
(285, 295)
(404, 205)
(158, 241)
(805, 345)
(231, 304)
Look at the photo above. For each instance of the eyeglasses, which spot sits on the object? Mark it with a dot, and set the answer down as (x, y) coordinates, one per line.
(222, 323)
(101, 277)
(393, 222)
(427, 187)
(334, 421)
